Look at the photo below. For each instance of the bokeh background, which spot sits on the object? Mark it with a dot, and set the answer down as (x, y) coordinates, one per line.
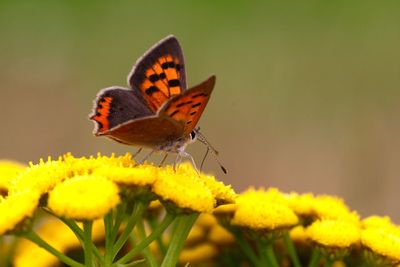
(307, 94)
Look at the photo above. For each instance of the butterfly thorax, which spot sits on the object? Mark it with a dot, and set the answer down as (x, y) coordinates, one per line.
(178, 145)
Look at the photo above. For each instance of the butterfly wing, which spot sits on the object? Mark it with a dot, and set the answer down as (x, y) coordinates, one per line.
(114, 106)
(188, 107)
(160, 73)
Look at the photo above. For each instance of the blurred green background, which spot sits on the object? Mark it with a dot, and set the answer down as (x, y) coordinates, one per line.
(307, 94)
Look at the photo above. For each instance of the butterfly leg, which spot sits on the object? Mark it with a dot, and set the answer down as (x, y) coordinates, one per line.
(147, 157)
(163, 160)
(137, 152)
(177, 161)
(188, 156)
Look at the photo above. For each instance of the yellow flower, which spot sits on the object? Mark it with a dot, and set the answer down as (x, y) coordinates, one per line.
(41, 177)
(206, 221)
(8, 172)
(196, 234)
(83, 165)
(220, 236)
(143, 175)
(334, 233)
(223, 194)
(330, 207)
(184, 188)
(260, 210)
(56, 234)
(378, 222)
(298, 234)
(383, 242)
(200, 253)
(84, 197)
(301, 204)
(16, 207)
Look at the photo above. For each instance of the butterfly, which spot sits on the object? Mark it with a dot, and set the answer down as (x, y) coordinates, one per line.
(157, 111)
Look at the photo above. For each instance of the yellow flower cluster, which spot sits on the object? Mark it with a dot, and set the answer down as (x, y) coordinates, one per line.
(205, 241)
(88, 188)
(323, 221)
(59, 236)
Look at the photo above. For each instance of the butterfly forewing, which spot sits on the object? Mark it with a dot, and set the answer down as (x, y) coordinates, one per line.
(114, 106)
(160, 73)
(188, 107)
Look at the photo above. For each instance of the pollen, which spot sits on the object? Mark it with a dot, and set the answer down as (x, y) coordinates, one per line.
(257, 210)
(383, 241)
(85, 197)
(331, 207)
(143, 175)
(9, 170)
(184, 188)
(41, 177)
(16, 207)
(334, 233)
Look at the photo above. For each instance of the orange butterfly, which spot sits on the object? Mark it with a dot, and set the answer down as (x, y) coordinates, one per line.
(157, 111)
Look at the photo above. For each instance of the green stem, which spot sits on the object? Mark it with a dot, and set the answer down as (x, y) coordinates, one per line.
(161, 245)
(146, 251)
(270, 255)
(79, 234)
(32, 236)
(136, 215)
(246, 248)
(291, 250)
(168, 219)
(328, 263)
(315, 258)
(178, 237)
(119, 216)
(108, 229)
(87, 242)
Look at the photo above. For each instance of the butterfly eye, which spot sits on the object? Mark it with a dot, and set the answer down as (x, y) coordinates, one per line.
(193, 135)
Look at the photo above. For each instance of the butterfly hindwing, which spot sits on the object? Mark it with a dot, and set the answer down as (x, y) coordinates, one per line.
(188, 107)
(114, 106)
(160, 73)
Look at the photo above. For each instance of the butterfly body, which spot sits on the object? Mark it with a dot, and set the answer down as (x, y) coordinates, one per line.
(157, 111)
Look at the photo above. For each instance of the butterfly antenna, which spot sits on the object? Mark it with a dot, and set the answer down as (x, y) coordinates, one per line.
(203, 140)
(204, 159)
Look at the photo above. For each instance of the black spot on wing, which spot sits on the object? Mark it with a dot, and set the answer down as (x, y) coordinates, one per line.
(151, 90)
(154, 77)
(199, 94)
(173, 113)
(183, 104)
(174, 83)
(196, 105)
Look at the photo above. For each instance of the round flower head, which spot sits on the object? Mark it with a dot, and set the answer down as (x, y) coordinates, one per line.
(378, 222)
(258, 211)
(184, 188)
(142, 175)
(223, 194)
(384, 242)
(80, 166)
(9, 170)
(301, 204)
(16, 207)
(42, 177)
(330, 207)
(298, 234)
(84, 197)
(335, 237)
